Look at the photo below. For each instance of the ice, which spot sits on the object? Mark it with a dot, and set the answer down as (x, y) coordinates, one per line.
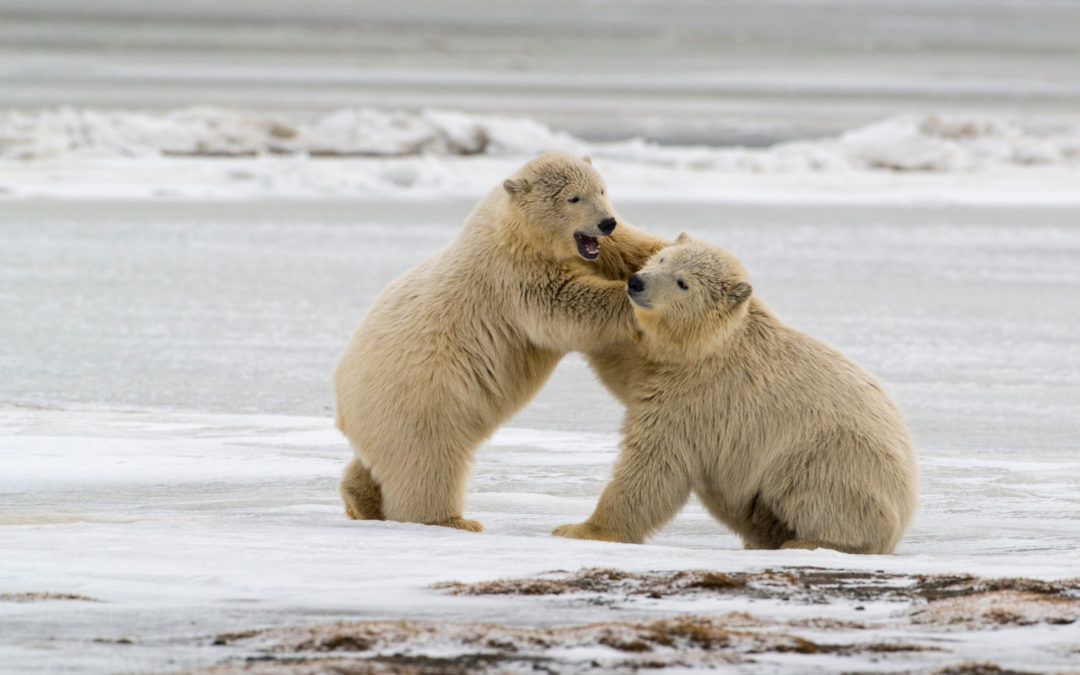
(929, 143)
(181, 538)
(215, 132)
(189, 486)
(198, 201)
(199, 153)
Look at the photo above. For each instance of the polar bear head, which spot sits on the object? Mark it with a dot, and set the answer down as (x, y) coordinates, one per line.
(689, 296)
(560, 200)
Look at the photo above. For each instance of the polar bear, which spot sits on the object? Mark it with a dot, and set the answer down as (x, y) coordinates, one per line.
(784, 440)
(455, 346)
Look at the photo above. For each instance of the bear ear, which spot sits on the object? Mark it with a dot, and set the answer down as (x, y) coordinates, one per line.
(683, 238)
(587, 159)
(740, 292)
(516, 188)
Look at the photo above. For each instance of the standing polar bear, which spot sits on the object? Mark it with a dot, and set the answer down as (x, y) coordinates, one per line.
(782, 438)
(455, 346)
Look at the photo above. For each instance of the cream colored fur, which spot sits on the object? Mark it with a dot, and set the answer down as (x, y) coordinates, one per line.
(455, 346)
(786, 441)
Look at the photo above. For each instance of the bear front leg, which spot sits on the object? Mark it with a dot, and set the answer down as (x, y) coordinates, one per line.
(588, 313)
(649, 486)
(626, 251)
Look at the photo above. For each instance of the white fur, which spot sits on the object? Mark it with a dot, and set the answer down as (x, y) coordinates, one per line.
(456, 345)
(782, 438)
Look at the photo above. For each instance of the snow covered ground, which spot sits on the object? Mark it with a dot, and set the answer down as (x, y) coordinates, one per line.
(168, 450)
(198, 201)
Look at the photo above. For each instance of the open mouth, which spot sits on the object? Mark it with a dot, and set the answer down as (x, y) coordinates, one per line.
(588, 247)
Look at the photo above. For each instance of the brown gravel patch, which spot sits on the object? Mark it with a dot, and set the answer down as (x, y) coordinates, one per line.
(37, 596)
(972, 668)
(804, 584)
(398, 646)
(998, 608)
(910, 636)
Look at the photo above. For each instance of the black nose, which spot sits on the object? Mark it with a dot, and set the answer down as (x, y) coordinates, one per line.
(607, 225)
(635, 284)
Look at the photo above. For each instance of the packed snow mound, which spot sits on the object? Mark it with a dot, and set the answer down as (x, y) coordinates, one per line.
(955, 143)
(214, 132)
(932, 144)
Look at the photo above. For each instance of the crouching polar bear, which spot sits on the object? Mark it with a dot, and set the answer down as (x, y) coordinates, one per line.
(783, 439)
(455, 346)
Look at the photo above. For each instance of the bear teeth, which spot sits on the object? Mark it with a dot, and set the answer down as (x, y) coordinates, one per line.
(588, 247)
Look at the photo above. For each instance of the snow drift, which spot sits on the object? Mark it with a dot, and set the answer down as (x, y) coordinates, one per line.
(209, 153)
(929, 143)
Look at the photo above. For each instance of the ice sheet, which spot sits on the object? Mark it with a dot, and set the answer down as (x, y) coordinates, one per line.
(189, 486)
(199, 200)
(187, 525)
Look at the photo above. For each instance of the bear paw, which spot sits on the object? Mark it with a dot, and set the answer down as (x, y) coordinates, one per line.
(587, 531)
(459, 523)
(363, 511)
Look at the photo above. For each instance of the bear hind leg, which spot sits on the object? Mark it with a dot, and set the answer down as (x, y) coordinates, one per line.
(459, 523)
(810, 545)
(360, 492)
(431, 491)
(763, 529)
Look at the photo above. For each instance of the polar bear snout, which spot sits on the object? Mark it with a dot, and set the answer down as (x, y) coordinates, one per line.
(635, 288)
(602, 229)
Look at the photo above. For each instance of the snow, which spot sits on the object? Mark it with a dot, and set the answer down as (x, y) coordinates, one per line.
(84, 153)
(933, 143)
(187, 525)
(198, 201)
(189, 486)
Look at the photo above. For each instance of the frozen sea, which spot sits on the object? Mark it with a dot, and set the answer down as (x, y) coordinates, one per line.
(168, 447)
(198, 203)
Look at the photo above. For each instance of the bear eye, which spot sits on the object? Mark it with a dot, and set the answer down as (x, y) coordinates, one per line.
(601, 192)
(682, 284)
(574, 200)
